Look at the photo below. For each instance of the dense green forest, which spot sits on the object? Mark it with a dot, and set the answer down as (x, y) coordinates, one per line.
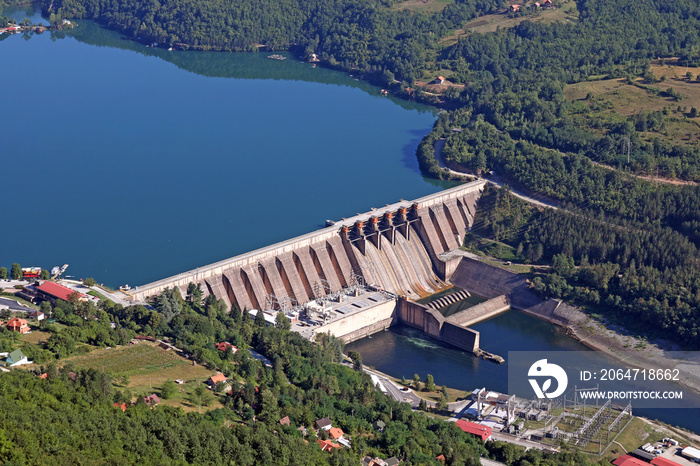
(364, 35)
(69, 417)
(643, 275)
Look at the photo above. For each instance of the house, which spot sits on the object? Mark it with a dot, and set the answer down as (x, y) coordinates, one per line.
(441, 458)
(438, 80)
(121, 406)
(225, 345)
(378, 425)
(285, 421)
(547, 4)
(369, 461)
(327, 445)
(302, 429)
(324, 423)
(393, 461)
(37, 314)
(627, 460)
(52, 292)
(335, 433)
(15, 358)
(214, 379)
(478, 430)
(514, 8)
(151, 400)
(18, 325)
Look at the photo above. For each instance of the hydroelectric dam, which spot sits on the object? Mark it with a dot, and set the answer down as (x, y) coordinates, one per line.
(360, 275)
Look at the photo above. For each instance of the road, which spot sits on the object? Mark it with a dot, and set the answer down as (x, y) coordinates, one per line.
(14, 305)
(495, 180)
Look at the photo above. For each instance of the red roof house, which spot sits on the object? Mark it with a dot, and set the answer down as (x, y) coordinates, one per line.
(51, 291)
(327, 445)
(18, 325)
(151, 400)
(661, 461)
(225, 345)
(477, 430)
(214, 379)
(335, 433)
(627, 460)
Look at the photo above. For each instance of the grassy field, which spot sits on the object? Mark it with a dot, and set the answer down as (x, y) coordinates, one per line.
(635, 434)
(147, 367)
(427, 6)
(613, 100)
(491, 23)
(35, 337)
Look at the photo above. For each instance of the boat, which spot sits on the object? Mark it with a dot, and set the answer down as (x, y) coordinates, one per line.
(277, 57)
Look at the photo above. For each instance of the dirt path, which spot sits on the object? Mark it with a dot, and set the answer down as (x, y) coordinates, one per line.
(658, 179)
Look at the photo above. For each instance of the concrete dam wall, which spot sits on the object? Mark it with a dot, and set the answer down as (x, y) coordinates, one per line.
(396, 248)
(490, 282)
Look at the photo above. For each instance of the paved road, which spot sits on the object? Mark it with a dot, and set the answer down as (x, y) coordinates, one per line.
(14, 305)
(495, 180)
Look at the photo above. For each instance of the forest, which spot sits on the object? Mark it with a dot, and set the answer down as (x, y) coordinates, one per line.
(69, 418)
(645, 277)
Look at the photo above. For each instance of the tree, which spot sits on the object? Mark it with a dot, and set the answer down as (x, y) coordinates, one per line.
(416, 382)
(282, 322)
(44, 274)
(3, 273)
(168, 390)
(441, 403)
(429, 383)
(89, 282)
(444, 393)
(259, 319)
(194, 294)
(356, 360)
(16, 271)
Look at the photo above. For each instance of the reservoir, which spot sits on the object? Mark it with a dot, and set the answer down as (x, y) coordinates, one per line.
(133, 163)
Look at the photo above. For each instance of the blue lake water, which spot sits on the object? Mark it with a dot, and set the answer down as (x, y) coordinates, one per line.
(132, 163)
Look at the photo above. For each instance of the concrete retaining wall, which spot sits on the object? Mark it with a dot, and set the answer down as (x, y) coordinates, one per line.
(489, 281)
(420, 316)
(360, 323)
(481, 311)
(369, 330)
(461, 337)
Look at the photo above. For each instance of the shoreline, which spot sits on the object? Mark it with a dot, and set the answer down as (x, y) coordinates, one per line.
(637, 352)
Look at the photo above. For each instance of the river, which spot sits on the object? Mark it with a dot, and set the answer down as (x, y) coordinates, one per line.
(403, 351)
(133, 163)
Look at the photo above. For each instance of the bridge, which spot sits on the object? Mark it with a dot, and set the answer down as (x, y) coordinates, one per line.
(396, 248)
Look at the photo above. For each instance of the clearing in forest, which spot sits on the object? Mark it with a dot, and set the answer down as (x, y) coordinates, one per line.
(426, 6)
(501, 20)
(146, 367)
(613, 100)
